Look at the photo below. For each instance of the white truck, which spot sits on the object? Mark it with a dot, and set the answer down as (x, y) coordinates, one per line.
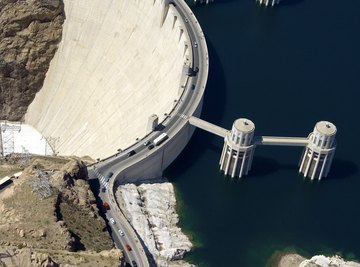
(161, 138)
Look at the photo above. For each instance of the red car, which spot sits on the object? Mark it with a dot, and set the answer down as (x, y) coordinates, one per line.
(128, 247)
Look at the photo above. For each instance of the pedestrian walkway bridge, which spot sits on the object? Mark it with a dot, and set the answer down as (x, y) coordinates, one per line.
(258, 140)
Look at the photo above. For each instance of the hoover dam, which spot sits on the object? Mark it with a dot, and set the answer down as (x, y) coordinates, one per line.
(118, 63)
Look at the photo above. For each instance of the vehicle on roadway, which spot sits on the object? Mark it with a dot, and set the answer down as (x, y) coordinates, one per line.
(112, 221)
(128, 247)
(132, 152)
(108, 176)
(121, 232)
(146, 143)
(150, 147)
(103, 188)
(106, 206)
(134, 264)
(161, 138)
(195, 44)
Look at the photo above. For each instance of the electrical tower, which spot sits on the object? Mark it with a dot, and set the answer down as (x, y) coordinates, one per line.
(41, 184)
(7, 138)
(51, 142)
(25, 158)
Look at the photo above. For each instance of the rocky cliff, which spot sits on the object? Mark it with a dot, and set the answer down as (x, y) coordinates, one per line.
(151, 209)
(49, 217)
(29, 33)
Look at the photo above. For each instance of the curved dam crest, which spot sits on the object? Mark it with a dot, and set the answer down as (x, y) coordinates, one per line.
(115, 66)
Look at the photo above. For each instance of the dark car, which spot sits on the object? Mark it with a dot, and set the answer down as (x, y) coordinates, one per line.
(150, 147)
(128, 247)
(134, 264)
(108, 176)
(132, 152)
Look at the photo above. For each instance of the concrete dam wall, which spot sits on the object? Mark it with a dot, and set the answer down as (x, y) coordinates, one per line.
(116, 65)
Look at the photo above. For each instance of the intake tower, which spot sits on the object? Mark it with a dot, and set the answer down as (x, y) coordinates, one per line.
(318, 154)
(240, 143)
(238, 148)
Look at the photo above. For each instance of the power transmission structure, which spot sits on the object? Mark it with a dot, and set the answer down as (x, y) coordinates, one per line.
(7, 138)
(41, 184)
(25, 158)
(52, 142)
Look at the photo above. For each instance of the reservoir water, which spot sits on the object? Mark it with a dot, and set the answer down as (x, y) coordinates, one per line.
(285, 68)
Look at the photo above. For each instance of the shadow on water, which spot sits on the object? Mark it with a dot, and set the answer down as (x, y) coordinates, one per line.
(290, 2)
(263, 166)
(215, 92)
(342, 169)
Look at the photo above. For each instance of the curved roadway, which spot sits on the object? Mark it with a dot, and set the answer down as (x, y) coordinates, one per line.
(177, 119)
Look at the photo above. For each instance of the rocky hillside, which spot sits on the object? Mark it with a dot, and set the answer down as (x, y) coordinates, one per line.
(48, 216)
(29, 33)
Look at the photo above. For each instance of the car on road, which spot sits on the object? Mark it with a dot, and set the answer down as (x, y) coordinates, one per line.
(106, 206)
(186, 20)
(128, 247)
(103, 189)
(121, 232)
(150, 147)
(195, 44)
(112, 221)
(146, 143)
(132, 152)
(108, 176)
(134, 264)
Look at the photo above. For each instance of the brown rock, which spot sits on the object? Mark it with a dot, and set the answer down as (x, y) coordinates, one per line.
(29, 34)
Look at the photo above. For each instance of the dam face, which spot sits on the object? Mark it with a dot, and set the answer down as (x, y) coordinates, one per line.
(116, 65)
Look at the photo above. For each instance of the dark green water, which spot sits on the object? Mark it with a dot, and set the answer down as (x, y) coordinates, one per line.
(285, 68)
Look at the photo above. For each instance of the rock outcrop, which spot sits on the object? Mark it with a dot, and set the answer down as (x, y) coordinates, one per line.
(38, 228)
(295, 260)
(29, 33)
(323, 261)
(150, 208)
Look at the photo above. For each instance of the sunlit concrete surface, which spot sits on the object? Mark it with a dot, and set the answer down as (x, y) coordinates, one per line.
(115, 66)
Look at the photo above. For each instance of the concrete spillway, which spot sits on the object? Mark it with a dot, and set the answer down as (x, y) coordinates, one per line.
(116, 65)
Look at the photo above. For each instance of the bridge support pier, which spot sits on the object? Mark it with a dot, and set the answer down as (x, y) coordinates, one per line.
(318, 154)
(238, 150)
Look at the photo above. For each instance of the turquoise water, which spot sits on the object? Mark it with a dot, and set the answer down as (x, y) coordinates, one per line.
(285, 68)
